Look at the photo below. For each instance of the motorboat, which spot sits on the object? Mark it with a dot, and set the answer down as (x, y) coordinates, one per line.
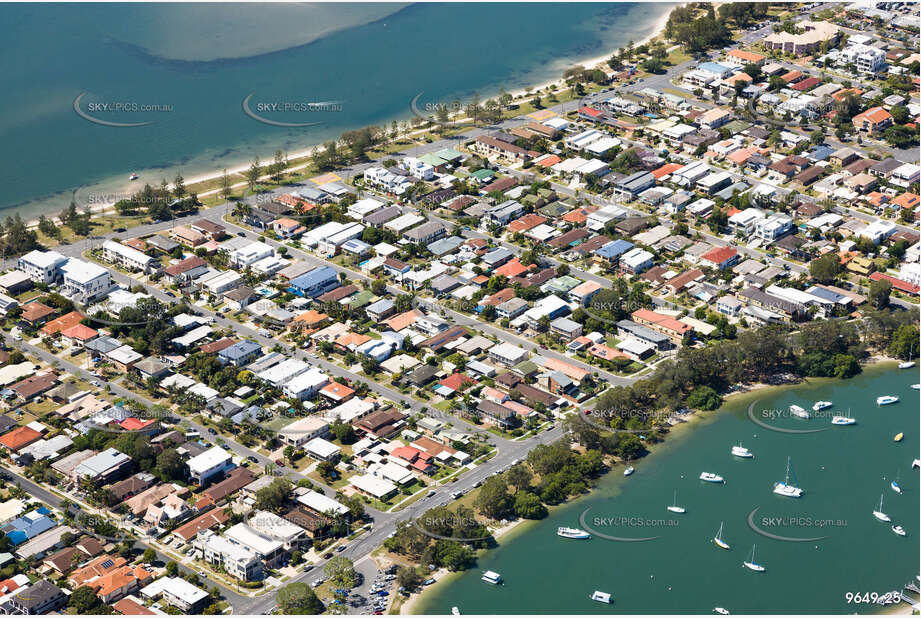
(455, 611)
(491, 577)
(133, 176)
(906, 364)
(799, 412)
(629, 470)
(820, 405)
(843, 420)
(885, 400)
(601, 597)
(898, 437)
(709, 477)
(572, 533)
(721, 610)
(899, 530)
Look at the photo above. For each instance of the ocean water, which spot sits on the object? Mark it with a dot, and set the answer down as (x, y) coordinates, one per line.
(182, 74)
(843, 471)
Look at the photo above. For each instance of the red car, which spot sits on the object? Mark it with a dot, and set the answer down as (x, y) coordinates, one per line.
(279, 462)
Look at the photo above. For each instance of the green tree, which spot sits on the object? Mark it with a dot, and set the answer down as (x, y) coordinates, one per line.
(494, 500)
(298, 598)
(904, 344)
(825, 269)
(341, 572)
(528, 506)
(879, 293)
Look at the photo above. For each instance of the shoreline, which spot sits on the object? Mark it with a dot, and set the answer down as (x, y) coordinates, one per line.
(676, 433)
(100, 209)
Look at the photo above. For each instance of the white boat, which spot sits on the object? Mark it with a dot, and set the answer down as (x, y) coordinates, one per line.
(899, 530)
(709, 477)
(491, 577)
(885, 400)
(799, 412)
(133, 176)
(906, 365)
(820, 405)
(843, 420)
(741, 451)
(785, 488)
(673, 507)
(895, 484)
(878, 514)
(629, 471)
(916, 463)
(718, 539)
(917, 387)
(601, 597)
(721, 610)
(572, 533)
(751, 564)
(455, 611)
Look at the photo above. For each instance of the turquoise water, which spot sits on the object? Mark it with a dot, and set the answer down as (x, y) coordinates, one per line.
(145, 55)
(843, 472)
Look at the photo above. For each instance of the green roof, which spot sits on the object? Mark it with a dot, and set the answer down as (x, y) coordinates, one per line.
(432, 159)
(449, 154)
(555, 209)
(361, 299)
(526, 368)
(563, 284)
(483, 174)
(737, 126)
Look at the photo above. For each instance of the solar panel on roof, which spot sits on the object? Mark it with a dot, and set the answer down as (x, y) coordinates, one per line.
(107, 563)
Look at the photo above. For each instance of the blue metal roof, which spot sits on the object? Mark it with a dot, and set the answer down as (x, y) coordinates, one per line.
(614, 249)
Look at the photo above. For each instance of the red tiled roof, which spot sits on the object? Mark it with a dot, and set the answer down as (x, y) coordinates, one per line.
(718, 255)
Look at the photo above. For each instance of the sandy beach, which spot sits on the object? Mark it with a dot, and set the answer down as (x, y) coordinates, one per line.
(100, 208)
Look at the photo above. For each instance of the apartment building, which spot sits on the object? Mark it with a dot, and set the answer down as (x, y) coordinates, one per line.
(126, 257)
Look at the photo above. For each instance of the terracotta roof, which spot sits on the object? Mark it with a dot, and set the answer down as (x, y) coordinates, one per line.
(35, 311)
(402, 320)
(874, 115)
(216, 346)
(127, 607)
(906, 200)
(457, 380)
(579, 215)
(62, 323)
(80, 332)
(526, 222)
(205, 521)
(718, 255)
(337, 391)
(34, 385)
(184, 266)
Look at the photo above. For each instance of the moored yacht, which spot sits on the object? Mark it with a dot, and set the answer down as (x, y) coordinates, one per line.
(885, 400)
(718, 539)
(572, 533)
(601, 597)
(786, 487)
(843, 420)
(906, 365)
(673, 507)
(820, 405)
(899, 530)
(879, 514)
(491, 577)
(741, 451)
(752, 565)
(721, 610)
(709, 477)
(799, 412)
(629, 470)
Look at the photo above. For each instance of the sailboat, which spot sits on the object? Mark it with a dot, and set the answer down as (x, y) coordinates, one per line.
(751, 564)
(674, 508)
(878, 514)
(909, 363)
(784, 488)
(895, 484)
(718, 539)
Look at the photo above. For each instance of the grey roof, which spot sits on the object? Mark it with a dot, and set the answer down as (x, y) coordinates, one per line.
(241, 349)
(421, 232)
(380, 306)
(641, 332)
(103, 345)
(445, 245)
(445, 283)
(383, 215)
(497, 255)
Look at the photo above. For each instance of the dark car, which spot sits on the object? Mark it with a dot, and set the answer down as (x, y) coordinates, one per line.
(252, 458)
(328, 555)
(211, 431)
(241, 234)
